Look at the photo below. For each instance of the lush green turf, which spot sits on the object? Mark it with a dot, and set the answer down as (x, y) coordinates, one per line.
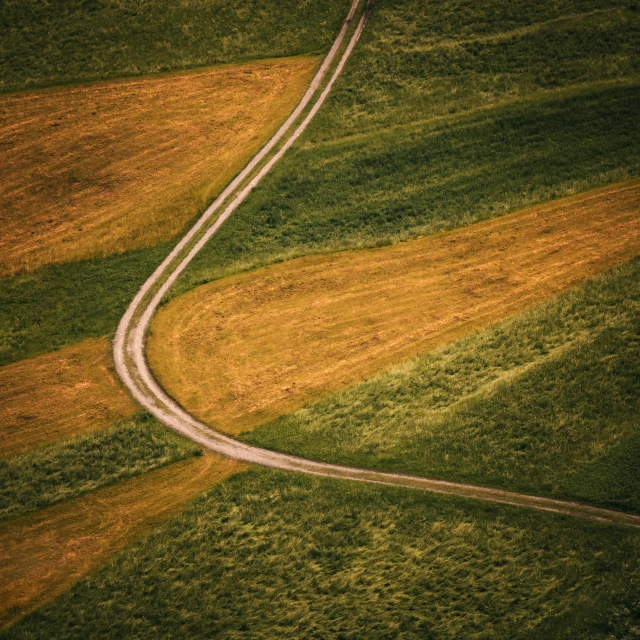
(66, 303)
(268, 555)
(64, 470)
(547, 402)
(416, 60)
(60, 41)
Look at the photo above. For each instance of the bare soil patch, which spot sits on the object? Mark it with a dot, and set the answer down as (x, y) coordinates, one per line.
(243, 350)
(98, 169)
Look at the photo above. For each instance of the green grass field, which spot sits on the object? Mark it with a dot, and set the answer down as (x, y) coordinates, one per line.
(449, 112)
(544, 403)
(67, 303)
(397, 184)
(63, 41)
(68, 469)
(446, 115)
(415, 64)
(269, 554)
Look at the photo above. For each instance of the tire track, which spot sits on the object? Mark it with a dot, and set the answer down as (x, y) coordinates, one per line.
(129, 343)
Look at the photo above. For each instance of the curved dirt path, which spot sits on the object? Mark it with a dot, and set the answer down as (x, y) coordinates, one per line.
(129, 343)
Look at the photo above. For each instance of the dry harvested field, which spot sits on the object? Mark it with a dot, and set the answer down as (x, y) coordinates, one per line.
(59, 395)
(98, 169)
(44, 553)
(242, 350)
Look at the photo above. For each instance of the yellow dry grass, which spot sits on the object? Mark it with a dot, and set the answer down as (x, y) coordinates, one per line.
(44, 553)
(59, 395)
(240, 351)
(101, 168)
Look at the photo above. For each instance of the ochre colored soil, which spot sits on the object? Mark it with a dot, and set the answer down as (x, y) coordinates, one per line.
(240, 351)
(101, 168)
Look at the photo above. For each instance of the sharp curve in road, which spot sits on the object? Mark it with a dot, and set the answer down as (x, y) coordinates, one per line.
(129, 342)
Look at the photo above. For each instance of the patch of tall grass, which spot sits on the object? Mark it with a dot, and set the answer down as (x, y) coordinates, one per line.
(546, 402)
(68, 469)
(66, 303)
(267, 554)
(63, 41)
(417, 61)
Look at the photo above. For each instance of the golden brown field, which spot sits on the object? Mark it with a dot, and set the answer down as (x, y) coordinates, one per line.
(42, 554)
(59, 395)
(242, 350)
(101, 168)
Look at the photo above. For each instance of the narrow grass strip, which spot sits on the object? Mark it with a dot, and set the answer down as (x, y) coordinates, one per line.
(87, 40)
(61, 471)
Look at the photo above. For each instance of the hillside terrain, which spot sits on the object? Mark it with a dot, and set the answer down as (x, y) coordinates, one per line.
(247, 348)
(86, 40)
(439, 278)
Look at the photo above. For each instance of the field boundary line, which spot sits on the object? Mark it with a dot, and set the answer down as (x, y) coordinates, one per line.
(129, 342)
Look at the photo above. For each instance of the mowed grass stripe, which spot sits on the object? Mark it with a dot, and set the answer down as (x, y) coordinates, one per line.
(103, 168)
(241, 351)
(44, 553)
(58, 395)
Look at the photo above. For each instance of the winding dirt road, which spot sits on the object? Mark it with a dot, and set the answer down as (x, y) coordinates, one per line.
(129, 343)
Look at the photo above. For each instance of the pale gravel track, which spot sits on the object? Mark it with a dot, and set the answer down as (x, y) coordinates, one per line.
(129, 342)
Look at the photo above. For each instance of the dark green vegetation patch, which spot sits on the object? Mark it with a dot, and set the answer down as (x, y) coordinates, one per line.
(417, 61)
(397, 184)
(66, 303)
(547, 403)
(50, 42)
(272, 555)
(68, 469)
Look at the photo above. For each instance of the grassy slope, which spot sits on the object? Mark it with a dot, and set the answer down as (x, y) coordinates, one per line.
(445, 115)
(396, 182)
(67, 469)
(45, 552)
(68, 303)
(48, 43)
(112, 166)
(244, 350)
(546, 402)
(269, 554)
(415, 64)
